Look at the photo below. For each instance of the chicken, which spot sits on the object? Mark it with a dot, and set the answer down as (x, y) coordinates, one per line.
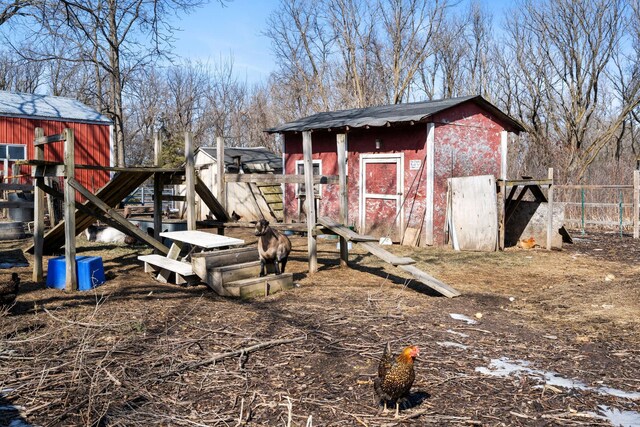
(9, 290)
(529, 243)
(395, 378)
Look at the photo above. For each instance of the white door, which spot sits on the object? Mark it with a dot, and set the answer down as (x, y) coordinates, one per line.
(381, 193)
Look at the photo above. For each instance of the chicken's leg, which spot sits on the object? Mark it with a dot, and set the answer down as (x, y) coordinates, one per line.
(385, 410)
(397, 409)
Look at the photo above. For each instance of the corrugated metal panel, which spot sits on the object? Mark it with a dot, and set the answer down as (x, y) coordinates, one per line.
(48, 107)
(389, 114)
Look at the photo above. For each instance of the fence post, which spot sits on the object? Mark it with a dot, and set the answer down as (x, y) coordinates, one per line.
(636, 203)
(550, 210)
(582, 210)
(620, 212)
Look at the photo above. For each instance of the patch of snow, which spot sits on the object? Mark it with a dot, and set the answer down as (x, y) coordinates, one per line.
(619, 418)
(503, 367)
(462, 317)
(460, 334)
(452, 344)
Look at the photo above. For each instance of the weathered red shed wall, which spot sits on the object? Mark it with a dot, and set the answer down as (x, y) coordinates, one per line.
(92, 146)
(466, 142)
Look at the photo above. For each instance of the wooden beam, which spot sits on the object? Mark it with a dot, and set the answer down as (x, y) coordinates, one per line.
(158, 186)
(42, 140)
(430, 281)
(344, 231)
(550, 211)
(310, 199)
(38, 212)
(143, 169)
(71, 282)
(221, 192)
(268, 178)
(430, 198)
(636, 204)
(210, 200)
(341, 145)
(190, 173)
(132, 229)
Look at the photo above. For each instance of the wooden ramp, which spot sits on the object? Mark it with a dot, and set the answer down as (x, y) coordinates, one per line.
(403, 263)
(111, 194)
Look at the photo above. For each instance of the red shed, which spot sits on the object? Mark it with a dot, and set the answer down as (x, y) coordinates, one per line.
(21, 113)
(398, 160)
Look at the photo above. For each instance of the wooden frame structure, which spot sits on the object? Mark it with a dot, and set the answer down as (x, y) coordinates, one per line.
(78, 216)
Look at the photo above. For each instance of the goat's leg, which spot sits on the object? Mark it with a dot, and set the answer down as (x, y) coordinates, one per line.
(284, 263)
(263, 268)
(276, 263)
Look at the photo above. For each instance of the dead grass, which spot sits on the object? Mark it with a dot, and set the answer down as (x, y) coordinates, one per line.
(133, 352)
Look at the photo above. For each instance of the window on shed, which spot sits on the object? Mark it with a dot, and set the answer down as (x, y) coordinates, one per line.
(317, 169)
(13, 152)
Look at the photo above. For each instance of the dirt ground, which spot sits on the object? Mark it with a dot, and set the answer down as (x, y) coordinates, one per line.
(550, 339)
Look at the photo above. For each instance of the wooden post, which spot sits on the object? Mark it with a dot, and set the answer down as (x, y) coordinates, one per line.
(221, 194)
(344, 208)
(51, 205)
(310, 197)
(190, 171)
(71, 283)
(502, 203)
(550, 211)
(636, 204)
(430, 198)
(38, 212)
(158, 186)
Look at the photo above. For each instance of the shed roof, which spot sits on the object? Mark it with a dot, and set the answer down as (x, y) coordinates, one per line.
(248, 156)
(48, 107)
(389, 114)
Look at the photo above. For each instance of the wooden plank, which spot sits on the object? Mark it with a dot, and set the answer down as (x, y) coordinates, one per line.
(267, 178)
(501, 213)
(204, 261)
(345, 232)
(260, 286)
(190, 174)
(430, 167)
(386, 256)
(202, 239)
(210, 200)
(474, 213)
(534, 182)
(341, 143)
(132, 229)
(42, 140)
(550, 211)
(165, 263)
(38, 223)
(71, 282)
(221, 166)
(49, 171)
(594, 187)
(15, 187)
(311, 209)
(141, 169)
(430, 281)
(50, 205)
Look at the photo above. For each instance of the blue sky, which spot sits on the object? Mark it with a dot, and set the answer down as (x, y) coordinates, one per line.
(235, 30)
(213, 31)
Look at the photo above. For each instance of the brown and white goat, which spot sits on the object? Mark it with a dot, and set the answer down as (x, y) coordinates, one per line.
(273, 247)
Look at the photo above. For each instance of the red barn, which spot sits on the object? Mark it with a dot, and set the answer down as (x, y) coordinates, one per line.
(21, 113)
(398, 160)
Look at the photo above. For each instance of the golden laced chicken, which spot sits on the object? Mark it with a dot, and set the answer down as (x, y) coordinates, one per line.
(9, 290)
(395, 378)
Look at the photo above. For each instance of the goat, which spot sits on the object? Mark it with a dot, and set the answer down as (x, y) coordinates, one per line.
(96, 233)
(273, 246)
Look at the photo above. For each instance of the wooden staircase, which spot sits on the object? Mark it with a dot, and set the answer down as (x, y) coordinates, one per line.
(272, 195)
(234, 273)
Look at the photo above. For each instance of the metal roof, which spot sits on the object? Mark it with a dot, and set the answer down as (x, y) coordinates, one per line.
(48, 107)
(388, 114)
(250, 157)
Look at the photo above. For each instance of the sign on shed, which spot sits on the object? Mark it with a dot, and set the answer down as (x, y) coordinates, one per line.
(473, 213)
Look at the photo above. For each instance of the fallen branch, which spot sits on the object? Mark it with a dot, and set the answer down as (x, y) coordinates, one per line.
(244, 350)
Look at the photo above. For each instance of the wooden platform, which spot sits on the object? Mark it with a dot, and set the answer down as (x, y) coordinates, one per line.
(260, 286)
(164, 266)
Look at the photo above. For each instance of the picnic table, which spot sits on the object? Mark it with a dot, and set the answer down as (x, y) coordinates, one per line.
(198, 240)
